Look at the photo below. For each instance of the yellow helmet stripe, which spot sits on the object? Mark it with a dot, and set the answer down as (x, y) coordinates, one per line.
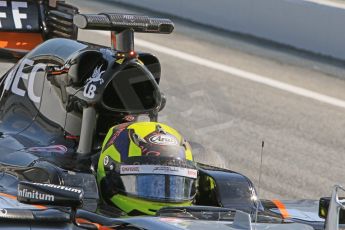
(107, 137)
(143, 128)
(146, 128)
(134, 150)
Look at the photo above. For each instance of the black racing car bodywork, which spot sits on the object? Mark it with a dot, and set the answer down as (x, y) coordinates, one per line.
(50, 88)
(60, 99)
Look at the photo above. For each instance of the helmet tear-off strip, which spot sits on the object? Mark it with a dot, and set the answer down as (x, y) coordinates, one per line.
(158, 169)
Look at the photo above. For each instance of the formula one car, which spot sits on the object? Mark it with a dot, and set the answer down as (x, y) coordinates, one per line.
(57, 104)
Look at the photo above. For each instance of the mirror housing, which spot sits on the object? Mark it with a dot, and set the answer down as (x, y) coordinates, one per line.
(323, 209)
(49, 194)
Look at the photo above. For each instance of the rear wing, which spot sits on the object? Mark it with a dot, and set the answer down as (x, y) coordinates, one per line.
(27, 23)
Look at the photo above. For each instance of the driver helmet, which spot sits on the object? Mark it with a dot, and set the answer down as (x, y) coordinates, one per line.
(145, 166)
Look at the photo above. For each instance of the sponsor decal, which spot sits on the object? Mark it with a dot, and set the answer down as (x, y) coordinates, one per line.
(129, 169)
(53, 149)
(192, 173)
(33, 194)
(129, 17)
(159, 170)
(3, 14)
(3, 212)
(17, 74)
(163, 139)
(70, 189)
(90, 86)
(129, 118)
(17, 16)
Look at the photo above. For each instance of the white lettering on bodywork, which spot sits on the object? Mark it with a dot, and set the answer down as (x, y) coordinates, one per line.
(90, 87)
(2, 14)
(14, 78)
(19, 75)
(66, 188)
(33, 194)
(17, 16)
(31, 94)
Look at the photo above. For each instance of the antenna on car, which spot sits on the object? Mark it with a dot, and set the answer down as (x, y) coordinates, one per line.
(259, 184)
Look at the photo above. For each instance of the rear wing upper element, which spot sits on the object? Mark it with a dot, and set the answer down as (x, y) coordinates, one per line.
(123, 26)
(120, 22)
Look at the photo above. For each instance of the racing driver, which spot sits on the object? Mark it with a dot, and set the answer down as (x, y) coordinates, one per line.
(145, 166)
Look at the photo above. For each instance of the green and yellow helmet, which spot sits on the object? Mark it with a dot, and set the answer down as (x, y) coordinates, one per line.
(145, 166)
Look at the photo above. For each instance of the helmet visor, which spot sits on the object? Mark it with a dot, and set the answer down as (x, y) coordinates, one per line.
(168, 188)
(158, 182)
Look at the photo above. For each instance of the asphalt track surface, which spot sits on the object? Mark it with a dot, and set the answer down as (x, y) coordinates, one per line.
(227, 116)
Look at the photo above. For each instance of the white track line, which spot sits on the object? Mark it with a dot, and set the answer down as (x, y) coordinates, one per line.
(212, 128)
(328, 3)
(238, 72)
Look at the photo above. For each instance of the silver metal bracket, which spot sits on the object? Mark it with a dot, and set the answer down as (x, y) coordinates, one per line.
(242, 221)
(332, 221)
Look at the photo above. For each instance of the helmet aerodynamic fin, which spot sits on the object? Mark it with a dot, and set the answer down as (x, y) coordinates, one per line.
(159, 129)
